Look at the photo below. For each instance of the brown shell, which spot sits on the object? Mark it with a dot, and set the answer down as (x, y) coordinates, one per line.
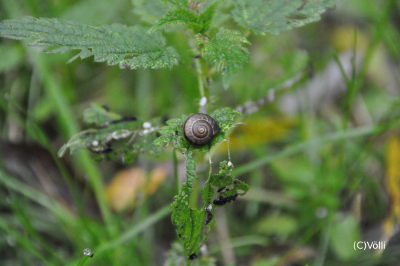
(199, 129)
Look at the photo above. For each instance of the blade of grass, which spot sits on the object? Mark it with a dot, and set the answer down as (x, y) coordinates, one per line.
(82, 261)
(53, 88)
(39, 198)
(35, 132)
(242, 242)
(357, 78)
(67, 119)
(129, 234)
(135, 229)
(23, 241)
(295, 148)
(19, 208)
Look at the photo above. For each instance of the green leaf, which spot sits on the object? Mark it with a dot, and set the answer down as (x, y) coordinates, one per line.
(275, 16)
(225, 179)
(345, 232)
(114, 136)
(192, 224)
(198, 21)
(172, 133)
(128, 47)
(227, 53)
(180, 16)
(98, 140)
(98, 115)
(226, 119)
(207, 13)
(149, 11)
(187, 220)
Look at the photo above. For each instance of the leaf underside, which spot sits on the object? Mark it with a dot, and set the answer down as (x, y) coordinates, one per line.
(111, 135)
(129, 47)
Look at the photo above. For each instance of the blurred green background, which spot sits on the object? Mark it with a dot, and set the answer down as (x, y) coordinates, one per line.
(322, 153)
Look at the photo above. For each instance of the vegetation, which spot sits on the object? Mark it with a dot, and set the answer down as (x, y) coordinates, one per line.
(305, 163)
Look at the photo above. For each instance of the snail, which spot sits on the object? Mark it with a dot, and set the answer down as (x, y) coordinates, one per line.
(199, 129)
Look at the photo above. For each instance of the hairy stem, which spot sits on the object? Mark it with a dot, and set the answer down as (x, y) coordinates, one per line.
(176, 170)
(199, 72)
(201, 75)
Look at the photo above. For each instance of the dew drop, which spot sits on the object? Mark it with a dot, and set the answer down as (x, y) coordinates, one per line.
(87, 252)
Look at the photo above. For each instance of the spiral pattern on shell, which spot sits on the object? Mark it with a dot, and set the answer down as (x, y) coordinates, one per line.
(199, 129)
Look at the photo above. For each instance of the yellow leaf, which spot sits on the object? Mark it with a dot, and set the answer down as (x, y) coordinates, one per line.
(346, 38)
(258, 131)
(157, 177)
(393, 181)
(127, 185)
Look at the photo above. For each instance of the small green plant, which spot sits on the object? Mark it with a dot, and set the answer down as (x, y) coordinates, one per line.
(115, 136)
(218, 48)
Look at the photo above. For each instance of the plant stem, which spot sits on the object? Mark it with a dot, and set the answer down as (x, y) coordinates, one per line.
(82, 261)
(201, 78)
(207, 186)
(228, 145)
(195, 193)
(176, 170)
(207, 197)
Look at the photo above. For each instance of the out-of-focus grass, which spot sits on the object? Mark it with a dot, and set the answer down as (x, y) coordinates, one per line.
(322, 165)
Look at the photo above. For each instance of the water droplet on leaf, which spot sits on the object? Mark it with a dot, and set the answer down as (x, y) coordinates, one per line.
(87, 252)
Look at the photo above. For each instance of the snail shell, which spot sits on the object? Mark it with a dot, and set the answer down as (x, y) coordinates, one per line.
(199, 129)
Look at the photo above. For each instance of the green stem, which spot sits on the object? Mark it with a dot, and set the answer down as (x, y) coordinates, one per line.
(192, 182)
(201, 76)
(175, 169)
(195, 194)
(207, 198)
(82, 261)
(207, 187)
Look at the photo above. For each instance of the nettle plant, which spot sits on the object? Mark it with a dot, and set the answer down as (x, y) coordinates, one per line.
(218, 53)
